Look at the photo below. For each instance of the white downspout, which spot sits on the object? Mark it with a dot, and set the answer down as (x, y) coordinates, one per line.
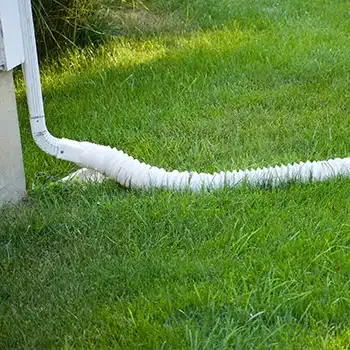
(129, 171)
(48, 143)
(30, 67)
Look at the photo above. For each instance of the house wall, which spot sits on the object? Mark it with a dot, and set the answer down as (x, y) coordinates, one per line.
(12, 181)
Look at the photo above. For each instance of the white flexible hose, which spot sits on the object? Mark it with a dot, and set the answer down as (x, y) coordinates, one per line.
(132, 173)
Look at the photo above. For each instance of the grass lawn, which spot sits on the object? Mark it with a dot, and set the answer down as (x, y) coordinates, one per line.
(246, 83)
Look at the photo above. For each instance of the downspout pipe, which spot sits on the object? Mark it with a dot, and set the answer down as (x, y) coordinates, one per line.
(130, 172)
(56, 147)
(42, 137)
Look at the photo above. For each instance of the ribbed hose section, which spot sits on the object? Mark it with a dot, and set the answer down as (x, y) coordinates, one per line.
(30, 67)
(130, 172)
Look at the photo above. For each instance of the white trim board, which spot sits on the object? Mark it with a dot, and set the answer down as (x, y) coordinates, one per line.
(11, 43)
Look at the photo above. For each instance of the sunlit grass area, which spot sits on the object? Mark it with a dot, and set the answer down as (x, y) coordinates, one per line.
(242, 84)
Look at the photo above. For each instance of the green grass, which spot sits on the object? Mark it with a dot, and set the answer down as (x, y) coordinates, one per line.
(105, 267)
(62, 23)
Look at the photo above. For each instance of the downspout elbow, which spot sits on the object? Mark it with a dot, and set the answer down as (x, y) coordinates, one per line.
(43, 138)
(64, 149)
